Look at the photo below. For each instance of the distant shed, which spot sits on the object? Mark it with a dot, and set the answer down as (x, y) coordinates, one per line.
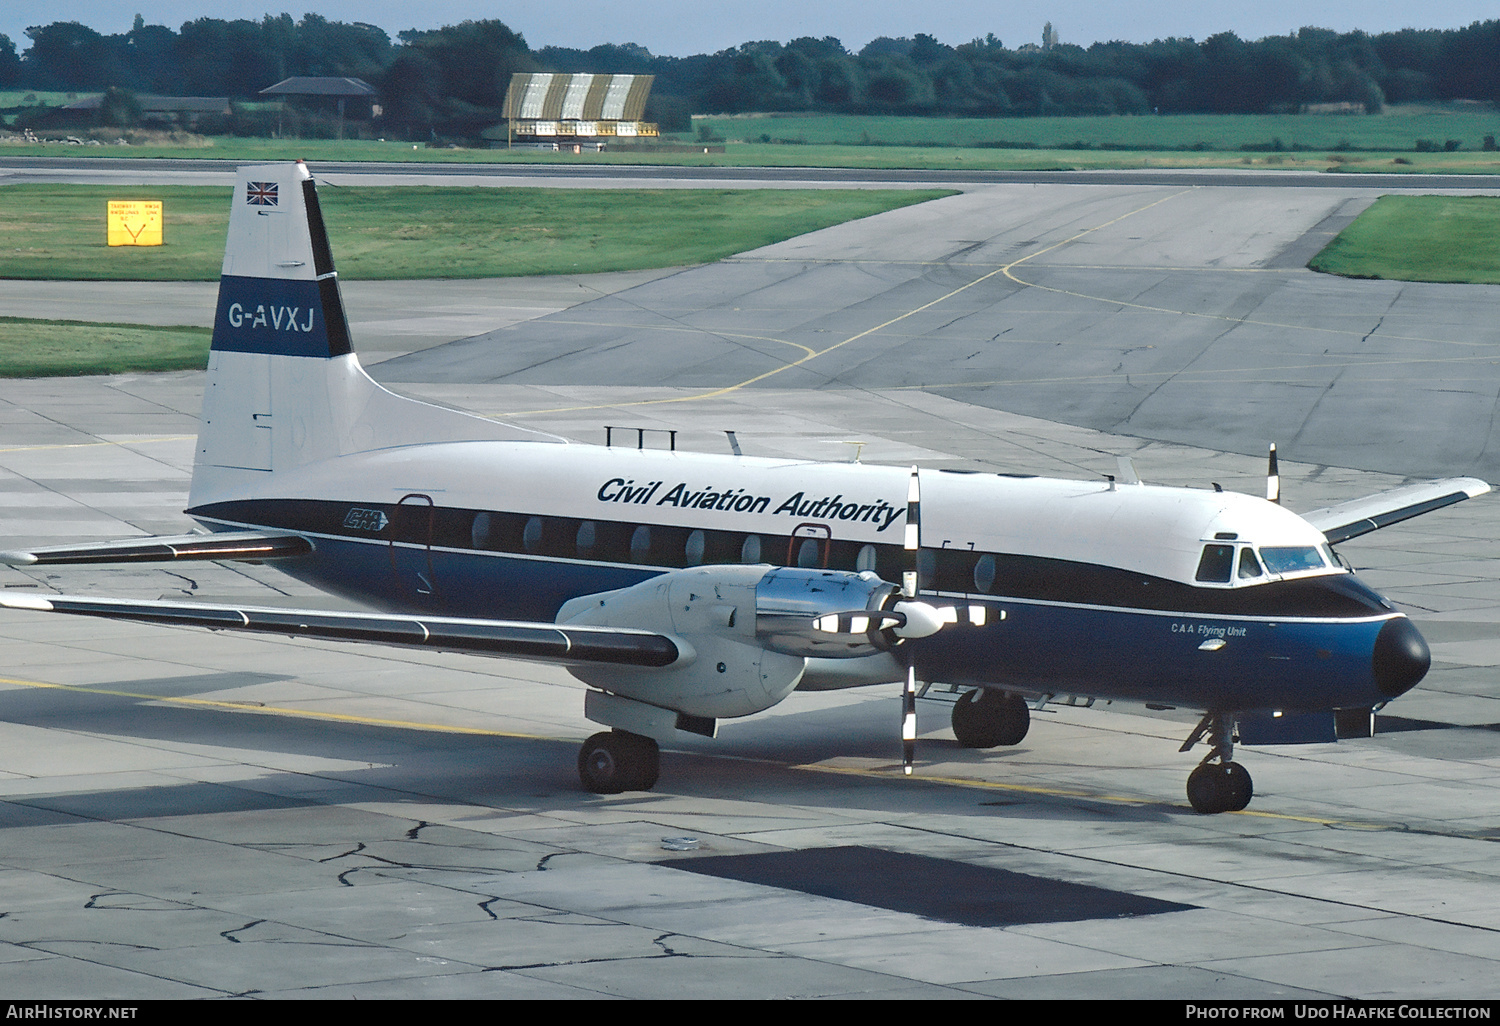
(579, 108)
(342, 89)
(183, 110)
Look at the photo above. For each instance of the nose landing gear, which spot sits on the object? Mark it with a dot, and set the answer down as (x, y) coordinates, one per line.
(1218, 784)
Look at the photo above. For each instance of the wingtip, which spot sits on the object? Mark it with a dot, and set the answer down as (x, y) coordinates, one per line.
(33, 602)
(16, 558)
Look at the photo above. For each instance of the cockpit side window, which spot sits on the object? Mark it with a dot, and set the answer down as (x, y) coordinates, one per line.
(1216, 565)
(1249, 565)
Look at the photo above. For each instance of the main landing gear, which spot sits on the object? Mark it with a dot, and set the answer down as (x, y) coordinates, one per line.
(1218, 784)
(985, 718)
(616, 760)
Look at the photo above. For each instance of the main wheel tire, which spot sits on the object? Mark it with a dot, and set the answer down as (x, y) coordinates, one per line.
(1240, 787)
(1205, 789)
(614, 761)
(645, 762)
(601, 766)
(985, 718)
(1219, 787)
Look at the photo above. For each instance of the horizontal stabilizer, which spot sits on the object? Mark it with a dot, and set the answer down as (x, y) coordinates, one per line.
(255, 545)
(542, 642)
(1361, 516)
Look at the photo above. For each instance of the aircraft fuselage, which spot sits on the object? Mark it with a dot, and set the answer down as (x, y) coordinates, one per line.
(1102, 586)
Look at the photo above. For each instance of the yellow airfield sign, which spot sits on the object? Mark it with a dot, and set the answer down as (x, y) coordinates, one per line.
(134, 222)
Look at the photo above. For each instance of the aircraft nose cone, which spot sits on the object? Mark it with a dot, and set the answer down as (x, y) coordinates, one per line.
(1401, 657)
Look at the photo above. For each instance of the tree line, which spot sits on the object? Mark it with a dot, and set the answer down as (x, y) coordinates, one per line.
(451, 81)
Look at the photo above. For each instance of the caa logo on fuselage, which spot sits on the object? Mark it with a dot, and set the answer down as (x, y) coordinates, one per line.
(366, 519)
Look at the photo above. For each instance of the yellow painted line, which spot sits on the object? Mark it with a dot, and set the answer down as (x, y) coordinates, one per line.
(808, 350)
(1059, 792)
(92, 445)
(972, 782)
(877, 774)
(1127, 305)
(814, 354)
(273, 710)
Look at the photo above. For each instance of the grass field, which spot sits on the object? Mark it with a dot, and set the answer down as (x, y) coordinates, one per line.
(1420, 238)
(1397, 130)
(1383, 142)
(56, 232)
(35, 348)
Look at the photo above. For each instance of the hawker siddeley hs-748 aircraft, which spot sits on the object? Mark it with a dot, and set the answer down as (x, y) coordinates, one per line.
(685, 588)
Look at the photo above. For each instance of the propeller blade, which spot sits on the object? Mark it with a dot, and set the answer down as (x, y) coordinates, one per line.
(1273, 478)
(909, 720)
(913, 540)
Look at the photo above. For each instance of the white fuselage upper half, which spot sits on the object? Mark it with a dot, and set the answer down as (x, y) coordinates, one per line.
(1148, 529)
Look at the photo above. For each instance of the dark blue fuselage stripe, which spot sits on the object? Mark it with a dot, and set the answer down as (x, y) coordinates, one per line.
(1127, 654)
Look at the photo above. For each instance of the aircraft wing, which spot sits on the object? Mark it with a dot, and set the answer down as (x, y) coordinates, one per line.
(255, 545)
(1361, 516)
(544, 642)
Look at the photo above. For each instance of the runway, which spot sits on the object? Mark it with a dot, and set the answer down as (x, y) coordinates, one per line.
(187, 814)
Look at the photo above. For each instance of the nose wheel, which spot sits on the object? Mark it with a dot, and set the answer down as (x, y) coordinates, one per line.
(1218, 784)
(1219, 787)
(616, 760)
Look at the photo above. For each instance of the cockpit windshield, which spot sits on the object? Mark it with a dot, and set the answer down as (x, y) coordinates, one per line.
(1244, 564)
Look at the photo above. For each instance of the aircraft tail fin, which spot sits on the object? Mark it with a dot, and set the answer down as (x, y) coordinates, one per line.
(284, 386)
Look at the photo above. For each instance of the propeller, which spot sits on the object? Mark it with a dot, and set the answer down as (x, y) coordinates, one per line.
(920, 619)
(912, 546)
(1273, 478)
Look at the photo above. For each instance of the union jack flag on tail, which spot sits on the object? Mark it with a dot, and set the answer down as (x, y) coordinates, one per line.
(260, 194)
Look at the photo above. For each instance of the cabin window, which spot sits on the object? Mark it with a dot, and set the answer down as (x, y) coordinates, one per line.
(588, 534)
(693, 550)
(807, 553)
(531, 537)
(480, 532)
(1216, 564)
(984, 574)
(1249, 565)
(1289, 559)
(640, 544)
(750, 550)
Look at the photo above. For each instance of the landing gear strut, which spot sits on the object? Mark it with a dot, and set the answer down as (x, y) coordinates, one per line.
(616, 760)
(985, 718)
(1218, 784)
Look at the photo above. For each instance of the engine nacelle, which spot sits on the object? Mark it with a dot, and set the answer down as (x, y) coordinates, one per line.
(745, 632)
(829, 614)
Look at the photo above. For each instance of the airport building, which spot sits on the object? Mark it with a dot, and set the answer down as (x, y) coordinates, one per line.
(576, 111)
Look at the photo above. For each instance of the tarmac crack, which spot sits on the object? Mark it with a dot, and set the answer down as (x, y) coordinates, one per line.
(666, 952)
(361, 850)
(229, 935)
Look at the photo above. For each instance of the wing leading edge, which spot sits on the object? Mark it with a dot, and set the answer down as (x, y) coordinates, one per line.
(1361, 516)
(543, 642)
